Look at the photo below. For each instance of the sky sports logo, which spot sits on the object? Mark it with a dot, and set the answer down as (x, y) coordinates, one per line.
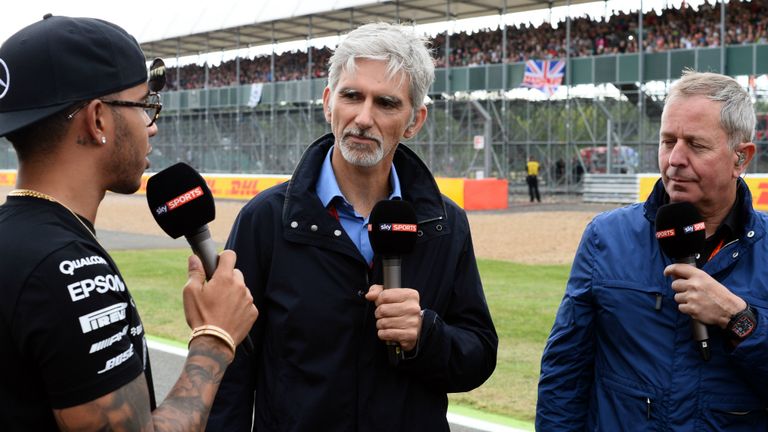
(688, 229)
(395, 227)
(180, 200)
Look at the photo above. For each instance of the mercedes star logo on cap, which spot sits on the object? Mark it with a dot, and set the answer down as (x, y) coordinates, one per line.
(5, 78)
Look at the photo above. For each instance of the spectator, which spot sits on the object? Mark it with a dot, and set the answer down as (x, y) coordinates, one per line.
(670, 29)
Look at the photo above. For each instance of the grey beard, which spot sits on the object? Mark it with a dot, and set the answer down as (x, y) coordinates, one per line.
(362, 157)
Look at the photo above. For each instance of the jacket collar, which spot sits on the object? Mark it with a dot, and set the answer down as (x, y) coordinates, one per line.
(659, 197)
(420, 188)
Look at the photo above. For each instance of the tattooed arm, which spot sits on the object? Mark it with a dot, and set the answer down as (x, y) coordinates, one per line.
(224, 301)
(185, 409)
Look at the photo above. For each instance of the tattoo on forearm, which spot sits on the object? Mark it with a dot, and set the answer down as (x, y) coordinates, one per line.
(189, 402)
(185, 409)
(125, 409)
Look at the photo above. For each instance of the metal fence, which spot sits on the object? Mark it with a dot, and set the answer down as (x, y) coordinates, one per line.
(569, 137)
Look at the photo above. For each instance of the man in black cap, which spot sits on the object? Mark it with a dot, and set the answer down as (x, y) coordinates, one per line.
(77, 106)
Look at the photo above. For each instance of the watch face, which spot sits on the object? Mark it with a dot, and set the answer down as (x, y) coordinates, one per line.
(743, 327)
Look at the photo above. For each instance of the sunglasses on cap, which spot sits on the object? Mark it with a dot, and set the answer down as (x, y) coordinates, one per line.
(152, 104)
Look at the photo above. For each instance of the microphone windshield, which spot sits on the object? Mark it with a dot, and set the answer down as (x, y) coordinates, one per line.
(392, 228)
(180, 200)
(680, 230)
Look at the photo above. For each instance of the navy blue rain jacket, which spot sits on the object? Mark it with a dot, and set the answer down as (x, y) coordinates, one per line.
(621, 356)
(318, 364)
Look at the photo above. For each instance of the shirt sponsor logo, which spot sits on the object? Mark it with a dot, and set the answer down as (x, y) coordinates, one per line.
(108, 342)
(118, 360)
(135, 331)
(101, 284)
(103, 317)
(69, 267)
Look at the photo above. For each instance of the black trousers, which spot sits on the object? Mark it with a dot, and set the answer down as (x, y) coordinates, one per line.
(533, 187)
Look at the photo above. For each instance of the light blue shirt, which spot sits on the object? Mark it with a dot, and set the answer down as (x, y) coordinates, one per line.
(354, 224)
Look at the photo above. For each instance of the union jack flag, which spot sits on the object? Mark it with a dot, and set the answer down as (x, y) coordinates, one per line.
(545, 76)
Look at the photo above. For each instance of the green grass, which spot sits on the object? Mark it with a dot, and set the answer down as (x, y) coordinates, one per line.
(523, 301)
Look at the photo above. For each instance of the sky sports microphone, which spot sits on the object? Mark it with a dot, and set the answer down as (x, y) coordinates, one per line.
(182, 204)
(681, 233)
(392, 230)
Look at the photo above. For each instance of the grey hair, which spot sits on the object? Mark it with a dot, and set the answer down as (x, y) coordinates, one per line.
(398, 45)
(737, 115)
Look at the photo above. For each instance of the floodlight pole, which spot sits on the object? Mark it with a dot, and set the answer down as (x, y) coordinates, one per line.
(568, 133)
(504, 65)
(722, 37)
(447, 74)
(641, 79)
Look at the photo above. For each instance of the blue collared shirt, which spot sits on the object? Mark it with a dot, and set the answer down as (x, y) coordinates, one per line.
(354, 224)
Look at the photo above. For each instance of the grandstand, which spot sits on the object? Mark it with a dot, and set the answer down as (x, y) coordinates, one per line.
(617, 68)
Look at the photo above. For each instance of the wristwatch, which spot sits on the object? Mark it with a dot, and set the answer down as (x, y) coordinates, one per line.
(742, 324)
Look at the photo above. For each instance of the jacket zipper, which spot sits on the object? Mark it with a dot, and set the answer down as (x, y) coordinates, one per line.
(648, 407)
(430, 220)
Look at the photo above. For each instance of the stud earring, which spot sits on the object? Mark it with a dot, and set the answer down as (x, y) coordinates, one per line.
(103, 139)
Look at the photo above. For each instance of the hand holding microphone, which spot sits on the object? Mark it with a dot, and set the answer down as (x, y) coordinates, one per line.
(681, 234)
(224, 300)
(182, 204)
(392, 230)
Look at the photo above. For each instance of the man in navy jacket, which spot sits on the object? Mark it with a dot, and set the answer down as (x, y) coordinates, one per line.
(621, 355)
(320, 362)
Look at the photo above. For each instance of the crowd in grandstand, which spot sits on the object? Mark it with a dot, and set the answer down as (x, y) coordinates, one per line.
(746, 22)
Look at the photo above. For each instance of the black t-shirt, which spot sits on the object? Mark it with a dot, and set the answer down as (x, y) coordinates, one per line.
(69, 329)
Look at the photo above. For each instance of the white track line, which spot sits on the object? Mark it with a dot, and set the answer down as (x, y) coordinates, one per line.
(457, 419)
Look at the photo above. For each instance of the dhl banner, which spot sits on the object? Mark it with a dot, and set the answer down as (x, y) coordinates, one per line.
(245, 186)
(237, 186)
(7, 177)
(757, 183)
(484, 194)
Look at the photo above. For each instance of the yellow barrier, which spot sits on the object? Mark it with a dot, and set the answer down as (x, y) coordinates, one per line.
(246, 186)
(7, 177)
(757, 183)
(453, 188)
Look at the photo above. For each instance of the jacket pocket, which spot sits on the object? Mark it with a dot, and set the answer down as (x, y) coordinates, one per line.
(626, 406)
(735, 415)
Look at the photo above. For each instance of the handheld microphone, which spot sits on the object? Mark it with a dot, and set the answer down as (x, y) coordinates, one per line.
(182, 204)
(681, 233)
(392, 230)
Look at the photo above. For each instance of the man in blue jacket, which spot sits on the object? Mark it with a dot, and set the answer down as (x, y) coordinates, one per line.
(621, 355)
(320, 362)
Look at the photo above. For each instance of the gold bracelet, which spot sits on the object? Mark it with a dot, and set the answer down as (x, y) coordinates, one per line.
(212, 330)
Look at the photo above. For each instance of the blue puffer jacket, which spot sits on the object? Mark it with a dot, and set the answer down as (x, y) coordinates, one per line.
(318, 363)
(615, 361)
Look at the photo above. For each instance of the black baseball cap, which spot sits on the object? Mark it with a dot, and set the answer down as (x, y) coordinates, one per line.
(54, 63)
